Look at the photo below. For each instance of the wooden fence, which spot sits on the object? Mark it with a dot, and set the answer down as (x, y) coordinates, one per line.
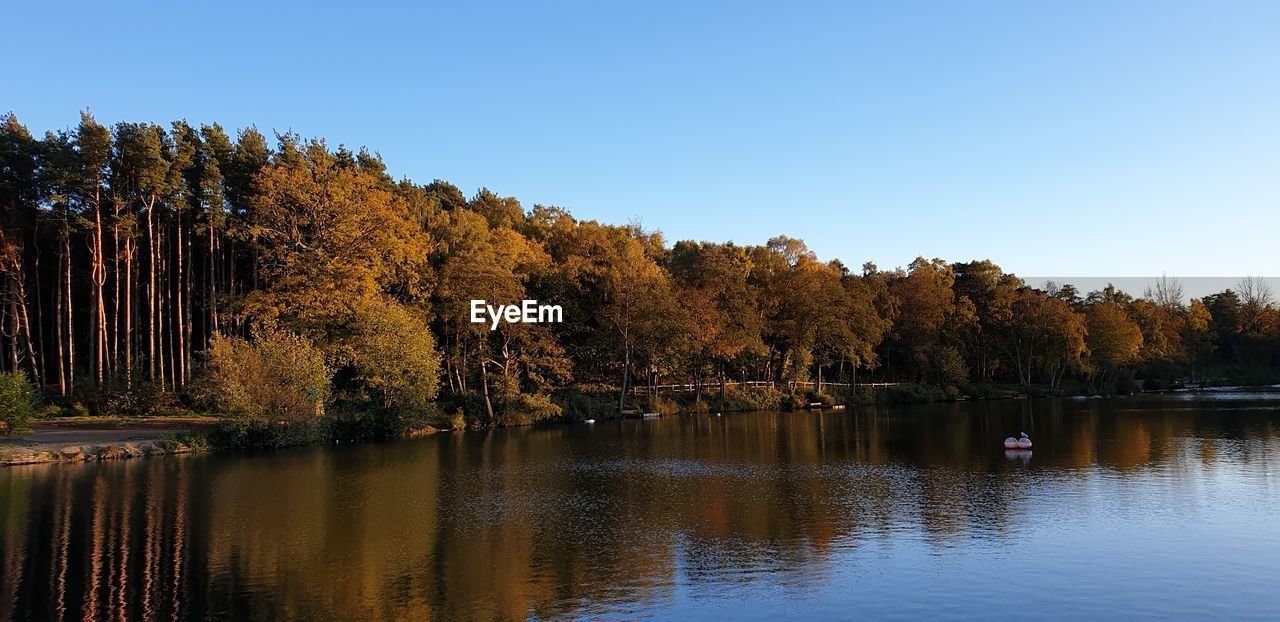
(642, 389)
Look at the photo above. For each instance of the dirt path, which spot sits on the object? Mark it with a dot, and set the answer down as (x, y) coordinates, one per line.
(61, 440)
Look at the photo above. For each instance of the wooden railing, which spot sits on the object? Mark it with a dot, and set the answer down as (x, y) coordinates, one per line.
(714, 386)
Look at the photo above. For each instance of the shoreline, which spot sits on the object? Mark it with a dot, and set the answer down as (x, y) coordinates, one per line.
(78, 439)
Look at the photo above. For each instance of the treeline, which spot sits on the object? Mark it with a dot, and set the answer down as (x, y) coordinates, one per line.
(146, 264)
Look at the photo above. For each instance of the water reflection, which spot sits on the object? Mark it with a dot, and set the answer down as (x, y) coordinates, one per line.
(615, 518)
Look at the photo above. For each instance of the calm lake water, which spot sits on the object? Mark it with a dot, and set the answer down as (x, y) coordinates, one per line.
(1128, 508)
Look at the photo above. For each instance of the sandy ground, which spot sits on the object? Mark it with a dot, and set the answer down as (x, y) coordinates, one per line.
(56, 434)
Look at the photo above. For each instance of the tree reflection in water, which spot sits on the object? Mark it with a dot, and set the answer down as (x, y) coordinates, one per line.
(577, 520)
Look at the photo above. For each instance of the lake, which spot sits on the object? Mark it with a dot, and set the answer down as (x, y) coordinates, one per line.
(1147, 507)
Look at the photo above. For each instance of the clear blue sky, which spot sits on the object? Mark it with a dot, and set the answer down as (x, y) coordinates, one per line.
(1093, 139)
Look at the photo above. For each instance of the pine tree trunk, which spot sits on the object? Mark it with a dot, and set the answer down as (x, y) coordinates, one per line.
(213, 284)
(24, 323)
(71, 332)
(152, 337)
(11, 330)
(162, 313)
(114, 322)
(99, 303)
(39, 324)
(180, 374)
(58, 334)
(130, 248)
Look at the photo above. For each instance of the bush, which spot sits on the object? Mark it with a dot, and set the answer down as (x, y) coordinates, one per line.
(512, 410)
(527, 409)
(125, 397)
(358, 420)
(1126, 384)
(738, 397)
(910, 393)
(914, 394)
(660, 405)
(184, 440)
(279, 377)
(985, 391)
(256, 434)
(395, 355)
(824, 397)
(580, 403)
(18, 402)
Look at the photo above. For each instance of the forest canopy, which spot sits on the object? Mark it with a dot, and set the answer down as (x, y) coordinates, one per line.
(142, 264)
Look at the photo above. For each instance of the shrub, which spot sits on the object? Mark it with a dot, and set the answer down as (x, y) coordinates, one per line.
(279, 377)
(395, 355)
(914, 394)
(357, 420)
(661, 405)
(129, 397)
(910, 393)
(739, 397)
(1125, 383)
(580, 403)
(18, 402)
(984, 391)
(243, 433)
(527, 409)
(824, 397)
(184, 440)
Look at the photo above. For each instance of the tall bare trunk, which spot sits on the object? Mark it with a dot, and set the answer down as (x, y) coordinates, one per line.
(213, 284)
(24, 323)
(11, 331)
(99, 275)
(152, 336)
(162, 315)
(71, 332)
(59, 336)
(626, 377)
(130, 247)
(180, 373)
(484, 382)
(39, 323)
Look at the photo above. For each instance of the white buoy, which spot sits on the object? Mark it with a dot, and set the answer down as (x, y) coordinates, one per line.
(591, 420)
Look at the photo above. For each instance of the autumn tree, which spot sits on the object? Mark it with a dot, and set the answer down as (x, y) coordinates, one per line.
(1045, 336)
(1114, 341)
(330, 237)
(923, 304)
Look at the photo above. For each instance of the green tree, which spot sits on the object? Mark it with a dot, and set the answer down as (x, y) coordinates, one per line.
(18, 402)
(395, 355)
